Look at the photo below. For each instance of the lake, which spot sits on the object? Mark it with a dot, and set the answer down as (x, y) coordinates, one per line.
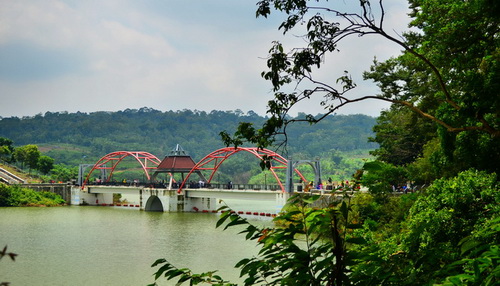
(84, 245)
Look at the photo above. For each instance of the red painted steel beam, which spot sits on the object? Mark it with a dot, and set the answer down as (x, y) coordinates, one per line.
(217, 157)
(146, 160)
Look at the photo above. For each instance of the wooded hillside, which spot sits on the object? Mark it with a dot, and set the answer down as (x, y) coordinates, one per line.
(74, 138)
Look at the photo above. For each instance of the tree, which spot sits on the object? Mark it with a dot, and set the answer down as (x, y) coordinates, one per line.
(460, 38)
(381, 178)
(45, 164)
(401, 135)
(61, 172)
(460, 95)
(452, 210)
(28, 154)
(6, 149)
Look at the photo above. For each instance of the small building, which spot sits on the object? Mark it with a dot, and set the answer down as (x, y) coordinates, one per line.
(178, 161)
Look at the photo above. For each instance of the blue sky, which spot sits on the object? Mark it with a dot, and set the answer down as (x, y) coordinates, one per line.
(112, 55)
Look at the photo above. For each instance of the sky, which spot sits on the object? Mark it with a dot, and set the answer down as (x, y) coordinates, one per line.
(70, 55)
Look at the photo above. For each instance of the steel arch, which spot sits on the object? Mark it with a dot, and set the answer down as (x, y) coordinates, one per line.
(220, 155)
(144, 158)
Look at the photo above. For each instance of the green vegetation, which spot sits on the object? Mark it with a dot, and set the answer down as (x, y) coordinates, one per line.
(15, 159)
(16, 196)
(447, 235)
(71, 139)
(441, 135)
(75, 138)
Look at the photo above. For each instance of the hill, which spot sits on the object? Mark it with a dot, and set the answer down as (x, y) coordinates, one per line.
(75, 138)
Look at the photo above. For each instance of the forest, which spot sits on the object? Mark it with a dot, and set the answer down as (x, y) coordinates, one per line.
(70, 139)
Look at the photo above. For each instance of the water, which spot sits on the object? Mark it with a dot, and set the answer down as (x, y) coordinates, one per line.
(79, 245)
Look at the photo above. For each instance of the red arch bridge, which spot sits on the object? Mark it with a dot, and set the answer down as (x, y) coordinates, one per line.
(181, 195)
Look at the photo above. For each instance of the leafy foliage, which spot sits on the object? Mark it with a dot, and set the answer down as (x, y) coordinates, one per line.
(450, 75)
(401, 135)
(309, 247)
(45, 164)
(451, 210)
(381, 178)
(28, 155)
(16, 196)
(447, 74)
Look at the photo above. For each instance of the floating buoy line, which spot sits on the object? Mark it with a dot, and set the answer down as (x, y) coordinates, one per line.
(195, 209)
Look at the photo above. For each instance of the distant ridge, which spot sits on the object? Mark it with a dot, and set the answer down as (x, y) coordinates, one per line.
(69, 137)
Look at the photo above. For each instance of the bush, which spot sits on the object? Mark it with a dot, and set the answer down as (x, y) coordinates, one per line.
(15, 196)
(450, 210)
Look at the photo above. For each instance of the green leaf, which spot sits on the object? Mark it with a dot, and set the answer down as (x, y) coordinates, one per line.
(311, 199)
(158, 261)
(235, 222)
(344, 210)
(469, 244)
(223, 217)
(354, 226)
(356, 240)
(164, 268)
(373, 166)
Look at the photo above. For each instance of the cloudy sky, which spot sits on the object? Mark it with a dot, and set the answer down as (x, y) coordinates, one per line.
(71, 55)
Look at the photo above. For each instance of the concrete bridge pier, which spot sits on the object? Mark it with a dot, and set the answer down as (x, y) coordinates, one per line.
(164, 200)
(160, 200)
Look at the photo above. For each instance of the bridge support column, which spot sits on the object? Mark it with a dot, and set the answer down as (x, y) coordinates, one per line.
(161, 200)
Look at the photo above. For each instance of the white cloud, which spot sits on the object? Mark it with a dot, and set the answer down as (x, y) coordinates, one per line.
(166, 55)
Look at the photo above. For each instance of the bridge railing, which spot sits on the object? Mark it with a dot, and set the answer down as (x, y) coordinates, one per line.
(191, 185)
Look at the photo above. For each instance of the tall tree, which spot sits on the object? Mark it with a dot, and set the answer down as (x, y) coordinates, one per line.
(28, 154)
(45, 164)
